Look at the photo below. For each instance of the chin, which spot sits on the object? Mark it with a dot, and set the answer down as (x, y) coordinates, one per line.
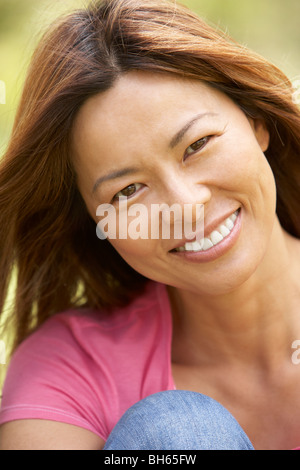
(225, 280)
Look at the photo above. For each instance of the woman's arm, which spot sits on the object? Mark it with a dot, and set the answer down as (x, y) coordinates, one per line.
(39, 434)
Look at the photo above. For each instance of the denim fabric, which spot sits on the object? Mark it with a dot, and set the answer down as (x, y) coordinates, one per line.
(178, 420)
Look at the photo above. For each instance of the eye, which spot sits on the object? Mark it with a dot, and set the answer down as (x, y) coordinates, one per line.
(196, 146)
(127, 192)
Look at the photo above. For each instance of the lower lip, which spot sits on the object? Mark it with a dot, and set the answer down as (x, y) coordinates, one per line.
(216, 251)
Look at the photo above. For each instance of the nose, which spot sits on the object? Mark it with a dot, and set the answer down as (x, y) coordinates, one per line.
(185, 202)
(180, 190)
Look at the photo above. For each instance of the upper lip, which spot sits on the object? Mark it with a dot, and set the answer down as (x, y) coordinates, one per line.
(208, 229)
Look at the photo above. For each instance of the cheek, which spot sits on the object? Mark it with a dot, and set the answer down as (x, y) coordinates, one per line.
(142, 255)
(132, 230)
(133, 241)
(243, 168)
(131, 249)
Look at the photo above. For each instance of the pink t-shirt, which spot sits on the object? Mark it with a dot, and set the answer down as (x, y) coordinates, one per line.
(87, 368)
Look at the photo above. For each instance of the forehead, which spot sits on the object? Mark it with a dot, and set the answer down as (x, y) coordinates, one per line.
(142, 91)
(146, 101)
(137, 118)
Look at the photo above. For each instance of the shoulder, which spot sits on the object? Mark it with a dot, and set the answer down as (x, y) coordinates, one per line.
(78, 328)
(87, 367)
(96, 331)
(88, 338)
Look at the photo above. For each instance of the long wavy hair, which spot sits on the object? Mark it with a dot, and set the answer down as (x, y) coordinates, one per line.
(48, 240)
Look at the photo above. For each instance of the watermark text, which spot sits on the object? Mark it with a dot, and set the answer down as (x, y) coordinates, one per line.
(296, 354)
(159, 221)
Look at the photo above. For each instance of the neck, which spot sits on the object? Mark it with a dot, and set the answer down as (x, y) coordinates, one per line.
(255, 324)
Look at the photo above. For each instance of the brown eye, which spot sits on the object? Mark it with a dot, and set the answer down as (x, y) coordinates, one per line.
(196, 146)
(128, 191)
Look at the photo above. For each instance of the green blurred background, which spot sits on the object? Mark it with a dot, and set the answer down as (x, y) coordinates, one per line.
(271, 27)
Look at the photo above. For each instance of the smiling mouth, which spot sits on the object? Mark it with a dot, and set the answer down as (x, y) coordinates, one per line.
(213, 239)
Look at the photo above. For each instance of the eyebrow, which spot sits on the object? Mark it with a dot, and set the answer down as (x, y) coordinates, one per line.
(179, 136)
(114, 175)
(173, 143)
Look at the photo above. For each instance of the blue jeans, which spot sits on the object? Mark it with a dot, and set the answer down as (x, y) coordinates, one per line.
(177, 420)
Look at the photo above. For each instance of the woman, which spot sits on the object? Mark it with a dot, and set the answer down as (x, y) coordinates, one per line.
(142, 101)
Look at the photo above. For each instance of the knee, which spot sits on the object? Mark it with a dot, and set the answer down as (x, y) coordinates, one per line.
(177, 420)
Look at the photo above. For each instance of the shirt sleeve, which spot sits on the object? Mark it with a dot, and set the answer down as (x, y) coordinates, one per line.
(50, 377)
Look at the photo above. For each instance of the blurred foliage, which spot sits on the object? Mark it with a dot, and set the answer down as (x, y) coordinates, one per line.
(271, 27)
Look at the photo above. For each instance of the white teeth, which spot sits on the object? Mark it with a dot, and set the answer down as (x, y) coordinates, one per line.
(224, 231)
(229, 224)
(189, 247)
(215, 237)
(233, 217)
(207, 244)
(195, 246)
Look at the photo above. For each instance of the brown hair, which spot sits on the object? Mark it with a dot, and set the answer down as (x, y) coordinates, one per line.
(48, 240)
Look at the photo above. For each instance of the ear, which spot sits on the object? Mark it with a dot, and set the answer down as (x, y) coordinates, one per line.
(261, 133)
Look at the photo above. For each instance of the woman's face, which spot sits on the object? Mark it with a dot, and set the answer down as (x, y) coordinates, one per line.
(156, 138)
